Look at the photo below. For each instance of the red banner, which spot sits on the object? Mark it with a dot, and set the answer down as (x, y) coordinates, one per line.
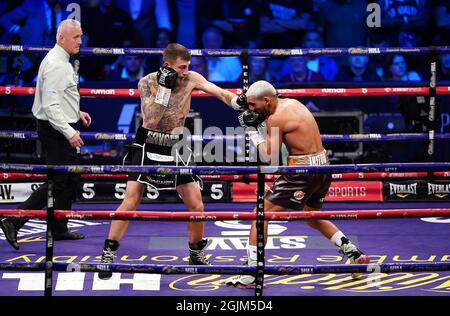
(442, 174)
(323, 92)
(379, 175)
(342, 191)
(361, 191)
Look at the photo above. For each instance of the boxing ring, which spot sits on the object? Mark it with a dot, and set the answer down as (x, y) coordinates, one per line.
(407, 242)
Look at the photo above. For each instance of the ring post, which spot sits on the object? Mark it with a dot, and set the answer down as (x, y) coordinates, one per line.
(49, 236)
(433, 110)
(245, 71)
(245, 82)
(260, 235)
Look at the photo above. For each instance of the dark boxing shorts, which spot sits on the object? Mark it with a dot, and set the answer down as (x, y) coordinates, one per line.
(151, 148)
(294, 191)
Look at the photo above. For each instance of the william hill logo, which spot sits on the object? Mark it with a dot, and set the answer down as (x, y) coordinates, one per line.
(439, 190)
(402, 190)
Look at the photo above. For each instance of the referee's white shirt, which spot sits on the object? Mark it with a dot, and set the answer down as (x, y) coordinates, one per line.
(57, 99)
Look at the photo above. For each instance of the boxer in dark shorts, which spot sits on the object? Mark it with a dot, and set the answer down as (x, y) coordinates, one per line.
(151, 148)
(274, 121)
(294, 191)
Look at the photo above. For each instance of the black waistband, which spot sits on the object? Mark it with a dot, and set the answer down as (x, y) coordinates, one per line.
(162, 139)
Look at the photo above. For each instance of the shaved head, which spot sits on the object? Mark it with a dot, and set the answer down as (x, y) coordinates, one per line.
(261, 89)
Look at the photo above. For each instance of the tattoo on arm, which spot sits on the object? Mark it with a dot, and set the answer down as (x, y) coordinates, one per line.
(151, 112)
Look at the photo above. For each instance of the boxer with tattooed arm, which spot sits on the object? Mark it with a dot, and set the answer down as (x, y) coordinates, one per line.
(165, 103)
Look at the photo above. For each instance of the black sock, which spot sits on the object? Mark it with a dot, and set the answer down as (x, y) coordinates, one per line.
(111, 244)
(199, 245)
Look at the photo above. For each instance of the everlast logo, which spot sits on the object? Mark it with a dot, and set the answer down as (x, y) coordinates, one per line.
(440, 190)
(402, 188)
(161, 139)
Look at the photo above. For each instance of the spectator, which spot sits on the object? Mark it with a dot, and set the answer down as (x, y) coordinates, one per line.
(299, 71)
(5, 7)
(32, 23)
(145, 20)
(199, 64)
(358, 69)
(397, 69)
(104, 26)
(324, 65)
(220, 68)
(132, 69)
(282, 22)
(405, 20)
(258, 69)
(343, 23)
(35, 21)
(162, 37)
(443, 73)
(184, 25)
(236, 19)
(442, 18)
(378, 39)
(107, 26)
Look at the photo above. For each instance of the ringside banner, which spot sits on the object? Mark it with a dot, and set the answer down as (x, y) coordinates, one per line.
(339, 191)
(17, 192)
(417, 191)
(213, 191)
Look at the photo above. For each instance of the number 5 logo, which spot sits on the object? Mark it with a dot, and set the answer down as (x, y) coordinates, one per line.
(216, 191)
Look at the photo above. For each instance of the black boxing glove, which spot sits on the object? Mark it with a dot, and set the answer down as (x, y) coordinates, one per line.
(167, 77)
(167, 80)
(254, 121)
(250, 118)
(239, 102)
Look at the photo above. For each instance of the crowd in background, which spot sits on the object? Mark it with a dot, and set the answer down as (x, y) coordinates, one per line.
(216, 24)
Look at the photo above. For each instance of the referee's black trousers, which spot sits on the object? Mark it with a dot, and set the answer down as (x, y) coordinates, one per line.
(58, 151)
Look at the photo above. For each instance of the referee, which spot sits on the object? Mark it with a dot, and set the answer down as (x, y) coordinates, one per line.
(57, 110)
